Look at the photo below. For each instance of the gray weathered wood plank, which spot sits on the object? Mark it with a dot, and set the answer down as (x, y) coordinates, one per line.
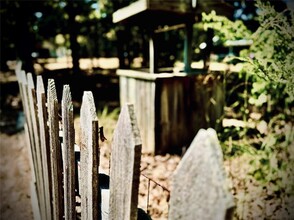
(34, 194)
(125, 166)
(35, 126)
(68, 154)
(34, 201)
(44, 144)
(24, 88)
(55, 149)
(89, 159)
(199, 184)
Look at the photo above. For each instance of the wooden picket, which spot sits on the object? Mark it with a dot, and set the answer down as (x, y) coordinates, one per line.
(53, 160)
(68, 154)
(55, 149)
(89, 159)
(125, 166)
(44, 145)
(205, 194)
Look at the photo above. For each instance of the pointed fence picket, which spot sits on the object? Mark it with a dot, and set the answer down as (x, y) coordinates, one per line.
(57, 181)
(125, 166)
(199, 183)
(55, 151)
(89, 159)
(44, 145)
(68, 154)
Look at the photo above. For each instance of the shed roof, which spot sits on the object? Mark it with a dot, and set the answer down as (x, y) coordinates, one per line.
(168, 12)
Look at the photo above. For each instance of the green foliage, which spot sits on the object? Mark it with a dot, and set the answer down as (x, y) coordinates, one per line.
(261, 98)
(272, 52)
(108, 119)
(274, 161)
(224, 27)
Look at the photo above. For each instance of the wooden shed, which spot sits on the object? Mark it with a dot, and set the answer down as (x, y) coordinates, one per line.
(167, 104)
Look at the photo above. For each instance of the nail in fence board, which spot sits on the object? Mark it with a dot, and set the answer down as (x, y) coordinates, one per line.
(125, 166)
(55, 149)
(89, 159)
(199, 185)
(35, 123)
(68, 154)
(44, 144)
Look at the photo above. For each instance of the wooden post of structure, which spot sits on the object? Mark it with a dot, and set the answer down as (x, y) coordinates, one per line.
(125, 166)
(188, 47)
(153, 58)
(199, 185)
(89, 159)
(55, 149)
(68, 155)
(44, 144)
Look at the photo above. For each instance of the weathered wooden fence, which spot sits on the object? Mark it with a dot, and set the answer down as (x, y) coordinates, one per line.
(199, 184)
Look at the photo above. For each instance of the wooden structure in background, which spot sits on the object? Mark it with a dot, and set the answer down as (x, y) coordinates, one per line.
(166, 103)
(167, 106)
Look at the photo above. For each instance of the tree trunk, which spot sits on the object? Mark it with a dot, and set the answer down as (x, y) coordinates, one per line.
(73, 33)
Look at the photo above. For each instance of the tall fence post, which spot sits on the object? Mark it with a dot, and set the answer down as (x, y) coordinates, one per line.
(44, 144)
(22, 82)
(89, 159)
(68, 155)
(125, 166)
(55, 149)
(35, 127)
(199, 185)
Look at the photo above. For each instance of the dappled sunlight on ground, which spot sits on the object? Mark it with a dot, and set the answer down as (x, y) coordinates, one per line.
(85, 63)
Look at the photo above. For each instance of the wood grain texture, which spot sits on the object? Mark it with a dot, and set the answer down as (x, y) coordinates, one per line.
(125, 166)
(171, 108)
(34, 194)
(68, 154)
(199, 184)
(18, 74)
(24, 89)
(35, 126)
(55, 152)
(142, 94)
(34, 201)
(44, 144)
(89, 159)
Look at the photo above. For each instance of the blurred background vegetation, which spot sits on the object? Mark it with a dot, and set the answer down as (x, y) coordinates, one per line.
(258, 117)
(84, 29)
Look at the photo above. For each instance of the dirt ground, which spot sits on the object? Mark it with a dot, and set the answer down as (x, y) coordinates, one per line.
(251, 200)
(15, 177)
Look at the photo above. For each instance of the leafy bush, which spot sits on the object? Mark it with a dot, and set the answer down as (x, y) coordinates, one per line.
(272, 52)
(261, 97)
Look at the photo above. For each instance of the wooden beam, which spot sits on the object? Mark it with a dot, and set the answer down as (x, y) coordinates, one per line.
(188, 47)
(169, 28)
(130, 10)
(153, 53)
